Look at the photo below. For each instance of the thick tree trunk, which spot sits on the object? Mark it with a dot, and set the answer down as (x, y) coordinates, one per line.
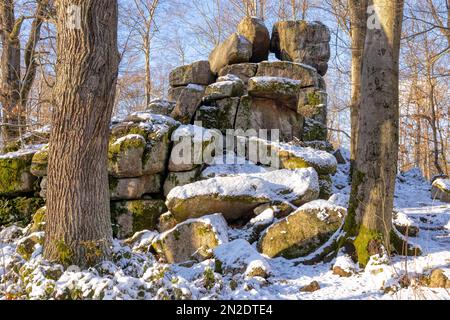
(371, 202)
(358, 26)
(13, 115)
(78, 228)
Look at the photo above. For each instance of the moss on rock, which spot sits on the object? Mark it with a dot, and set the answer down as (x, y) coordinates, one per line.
(15, 176)
(129, 217)
(18, 210)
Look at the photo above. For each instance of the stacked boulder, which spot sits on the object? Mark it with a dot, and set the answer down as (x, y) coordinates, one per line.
(167, 176)
(138, 153)
(238, 89)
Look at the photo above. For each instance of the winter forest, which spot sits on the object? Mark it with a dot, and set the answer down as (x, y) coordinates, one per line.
(224, 150)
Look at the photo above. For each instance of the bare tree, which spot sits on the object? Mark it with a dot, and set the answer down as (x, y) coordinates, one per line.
(16, 82)
(145, 26)
(369, 217)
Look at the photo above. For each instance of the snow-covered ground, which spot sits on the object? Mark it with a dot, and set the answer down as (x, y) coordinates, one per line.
(135, 274)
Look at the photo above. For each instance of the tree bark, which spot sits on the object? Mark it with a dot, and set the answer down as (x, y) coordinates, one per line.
(78, 226)
(371, 201)
(358, 26)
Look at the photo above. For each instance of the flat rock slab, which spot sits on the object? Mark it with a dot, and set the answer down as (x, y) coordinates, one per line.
(281, 89)
(235, 197)
(295, 157)
(243, 71)
(197, 72)
(307, 75)
(256, 113)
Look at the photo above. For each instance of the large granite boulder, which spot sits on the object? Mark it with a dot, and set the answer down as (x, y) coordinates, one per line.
(193, 239)
(230, 165)
(134, 188)
(256, 32)
(189, 145)
(283, 90)
(156, 131)
(303, 231)
(226, 87)
(294, 157)
(174, 93)
(243, 71)
(197, 72)
(256, 113)
(235, 49)
(307, 75)
(219, 114)
(236, 196)
(440, 189)
(312, 103)
(130, 217)
(187, 103)
(125, 156)
(15, 175)
(160, 106)
(314, 130)
(177, 179)
(303, 42)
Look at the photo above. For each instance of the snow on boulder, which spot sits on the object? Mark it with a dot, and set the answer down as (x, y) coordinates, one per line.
(235, 197)
(303, 231)
(344, 266)
(441, 189)
(156, 130)
(405, 225)
(160, 106)
(193, 239)
(230, 165)
(125, 156)
(239, 256)
(295, 157)
(224, 88)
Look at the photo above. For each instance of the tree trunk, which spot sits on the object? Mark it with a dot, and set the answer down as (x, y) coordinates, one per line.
(148, 79)
(358, 26)
(13, 116)
(78, 228)
(371, 202)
